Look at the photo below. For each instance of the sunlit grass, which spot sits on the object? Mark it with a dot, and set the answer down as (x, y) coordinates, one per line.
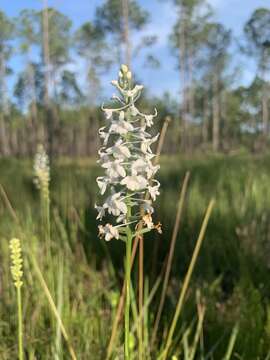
(231, 272)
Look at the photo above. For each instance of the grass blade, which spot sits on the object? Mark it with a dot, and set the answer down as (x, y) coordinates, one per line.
(53, 307)
(187, 280)
(171, 253)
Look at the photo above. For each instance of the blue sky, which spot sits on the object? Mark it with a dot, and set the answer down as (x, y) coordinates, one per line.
(232, 13)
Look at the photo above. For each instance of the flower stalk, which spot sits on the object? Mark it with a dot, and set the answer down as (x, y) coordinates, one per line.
(42, 181)
(126, 156)
(128, 289)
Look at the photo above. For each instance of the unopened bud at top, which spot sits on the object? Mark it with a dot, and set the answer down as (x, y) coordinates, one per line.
(124, 68)
(129, 75)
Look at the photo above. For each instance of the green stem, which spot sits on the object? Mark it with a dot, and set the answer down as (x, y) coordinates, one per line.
(48, 225)
(127, 279)
(20, 331)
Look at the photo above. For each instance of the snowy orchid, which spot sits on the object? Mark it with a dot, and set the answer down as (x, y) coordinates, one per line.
(42, 170)
(126, 156)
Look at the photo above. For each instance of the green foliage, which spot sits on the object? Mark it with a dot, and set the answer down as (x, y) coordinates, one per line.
(257, 30)
(27, 29)
(6, 31)
(58, 37)
(110, 17)
(231, 273)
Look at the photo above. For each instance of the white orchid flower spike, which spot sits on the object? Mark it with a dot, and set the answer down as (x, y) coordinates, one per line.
(126, 157)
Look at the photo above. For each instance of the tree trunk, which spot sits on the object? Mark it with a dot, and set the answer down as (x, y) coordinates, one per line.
(33, 109)
(182, 63)
(4, 144)
(125, 10)
(216, 113)
(265, 112)
(205, 119)
(191, 100)
(46, 59)
(226, 141)
(46, 53)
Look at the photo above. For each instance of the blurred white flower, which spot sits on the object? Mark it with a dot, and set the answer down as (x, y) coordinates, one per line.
(42, 171)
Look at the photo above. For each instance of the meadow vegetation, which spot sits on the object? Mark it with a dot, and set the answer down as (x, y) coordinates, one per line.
(229, 290)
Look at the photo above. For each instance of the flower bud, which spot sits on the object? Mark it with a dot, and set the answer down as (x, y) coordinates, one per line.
(124, 68)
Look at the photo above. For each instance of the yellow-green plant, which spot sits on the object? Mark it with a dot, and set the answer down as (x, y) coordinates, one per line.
(17, 274)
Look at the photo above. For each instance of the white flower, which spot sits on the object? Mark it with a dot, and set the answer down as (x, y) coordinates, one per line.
(121, 127)
(149, 119)
(102, 182)
(133, 110)
(154, 190)
(108, 231)
(41, 161)
(134, 182)
(139, 166)
(101, 212)
(119, 150)
(115, 205)
(134, 91)
(103, 156)
(104, 135)
(114, 169)
(151, 170)
(108, 113)
(121, 116)
(142, 134)
(120, 218)
(41, 169)
(145, 145)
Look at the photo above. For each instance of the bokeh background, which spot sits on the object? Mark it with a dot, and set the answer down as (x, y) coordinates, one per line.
(205, 67)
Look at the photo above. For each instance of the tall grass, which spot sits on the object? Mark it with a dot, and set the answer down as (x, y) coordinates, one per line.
(83, 278)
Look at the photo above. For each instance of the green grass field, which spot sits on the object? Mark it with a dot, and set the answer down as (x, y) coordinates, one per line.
(85, 275)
